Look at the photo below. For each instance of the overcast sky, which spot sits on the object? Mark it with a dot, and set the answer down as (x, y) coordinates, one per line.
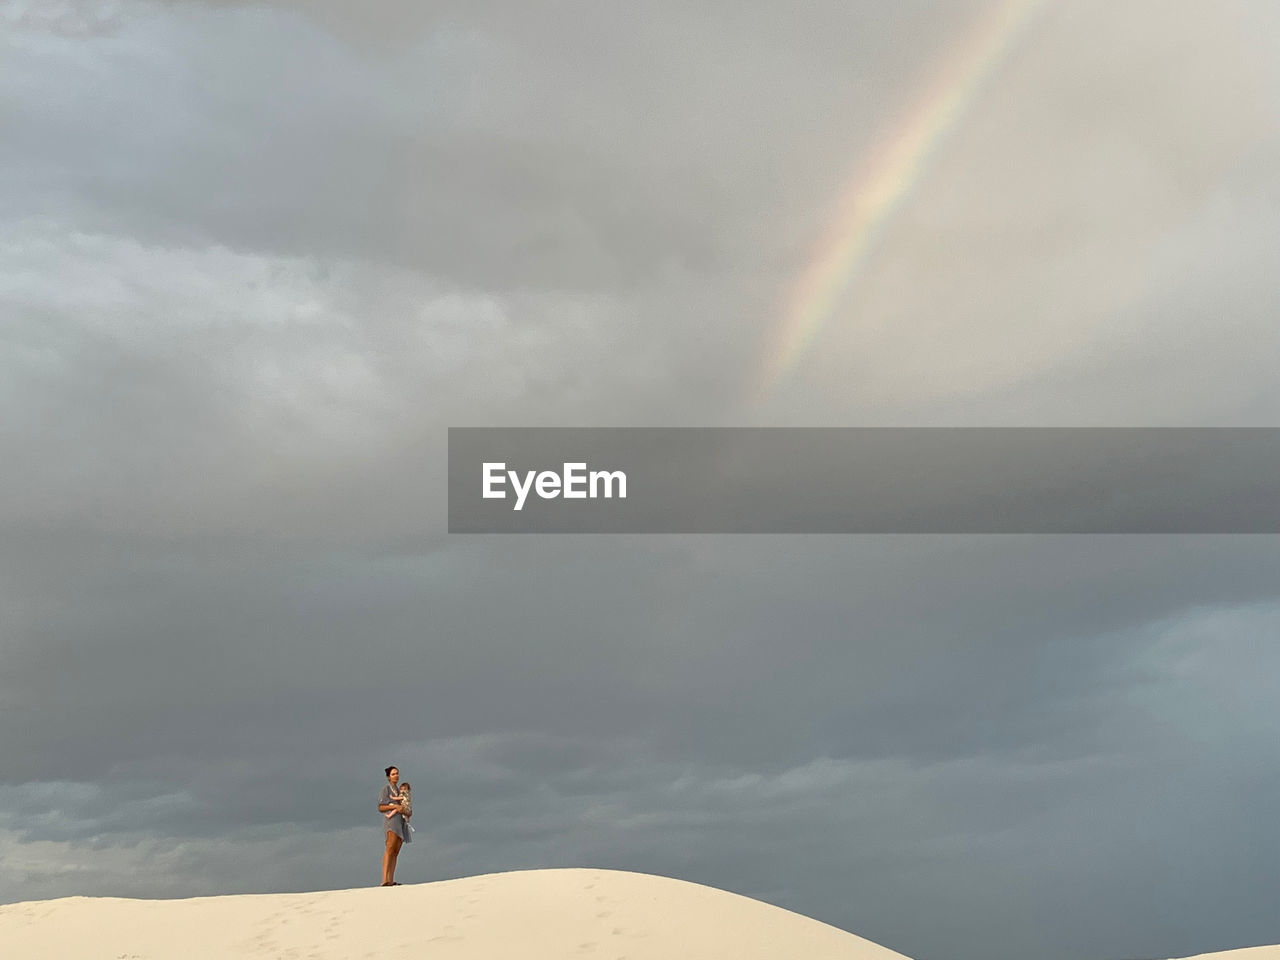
(256, 258)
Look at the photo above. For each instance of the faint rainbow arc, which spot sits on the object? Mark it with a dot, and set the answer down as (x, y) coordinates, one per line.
(879, 188)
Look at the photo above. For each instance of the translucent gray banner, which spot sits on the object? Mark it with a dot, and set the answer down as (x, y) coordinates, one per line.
(864, 480)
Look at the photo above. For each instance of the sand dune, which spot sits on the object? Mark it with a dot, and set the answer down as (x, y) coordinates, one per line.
(529, 915)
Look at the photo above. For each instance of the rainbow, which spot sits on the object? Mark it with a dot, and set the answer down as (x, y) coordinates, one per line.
(879, 188)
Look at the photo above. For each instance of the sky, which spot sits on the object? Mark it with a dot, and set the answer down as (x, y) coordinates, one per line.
(256, 258)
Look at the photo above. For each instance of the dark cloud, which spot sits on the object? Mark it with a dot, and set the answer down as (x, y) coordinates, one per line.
(257, 257)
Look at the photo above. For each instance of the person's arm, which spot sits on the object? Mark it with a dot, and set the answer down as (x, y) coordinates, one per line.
(384, 804)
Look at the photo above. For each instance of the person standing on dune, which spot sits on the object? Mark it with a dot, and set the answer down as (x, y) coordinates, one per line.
(396, 830)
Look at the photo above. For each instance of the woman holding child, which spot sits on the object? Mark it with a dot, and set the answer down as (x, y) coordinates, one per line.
(393, 805)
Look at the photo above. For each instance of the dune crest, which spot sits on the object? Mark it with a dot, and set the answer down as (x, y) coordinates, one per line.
(532, 915)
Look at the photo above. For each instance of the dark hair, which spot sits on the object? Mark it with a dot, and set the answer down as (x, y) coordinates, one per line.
(389, 769)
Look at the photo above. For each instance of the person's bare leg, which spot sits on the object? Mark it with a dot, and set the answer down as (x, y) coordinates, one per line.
(395, 855)
(389, 856)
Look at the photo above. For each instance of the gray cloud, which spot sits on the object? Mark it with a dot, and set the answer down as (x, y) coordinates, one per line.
(255, 260)
(68, 18)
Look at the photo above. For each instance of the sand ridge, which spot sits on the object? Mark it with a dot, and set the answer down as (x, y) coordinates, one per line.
(572, 914)
(531, 915)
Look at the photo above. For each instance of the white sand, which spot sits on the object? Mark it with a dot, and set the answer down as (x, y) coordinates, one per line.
(530, 915)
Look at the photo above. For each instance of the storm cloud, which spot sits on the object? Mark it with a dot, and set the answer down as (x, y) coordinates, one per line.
(255, 259)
